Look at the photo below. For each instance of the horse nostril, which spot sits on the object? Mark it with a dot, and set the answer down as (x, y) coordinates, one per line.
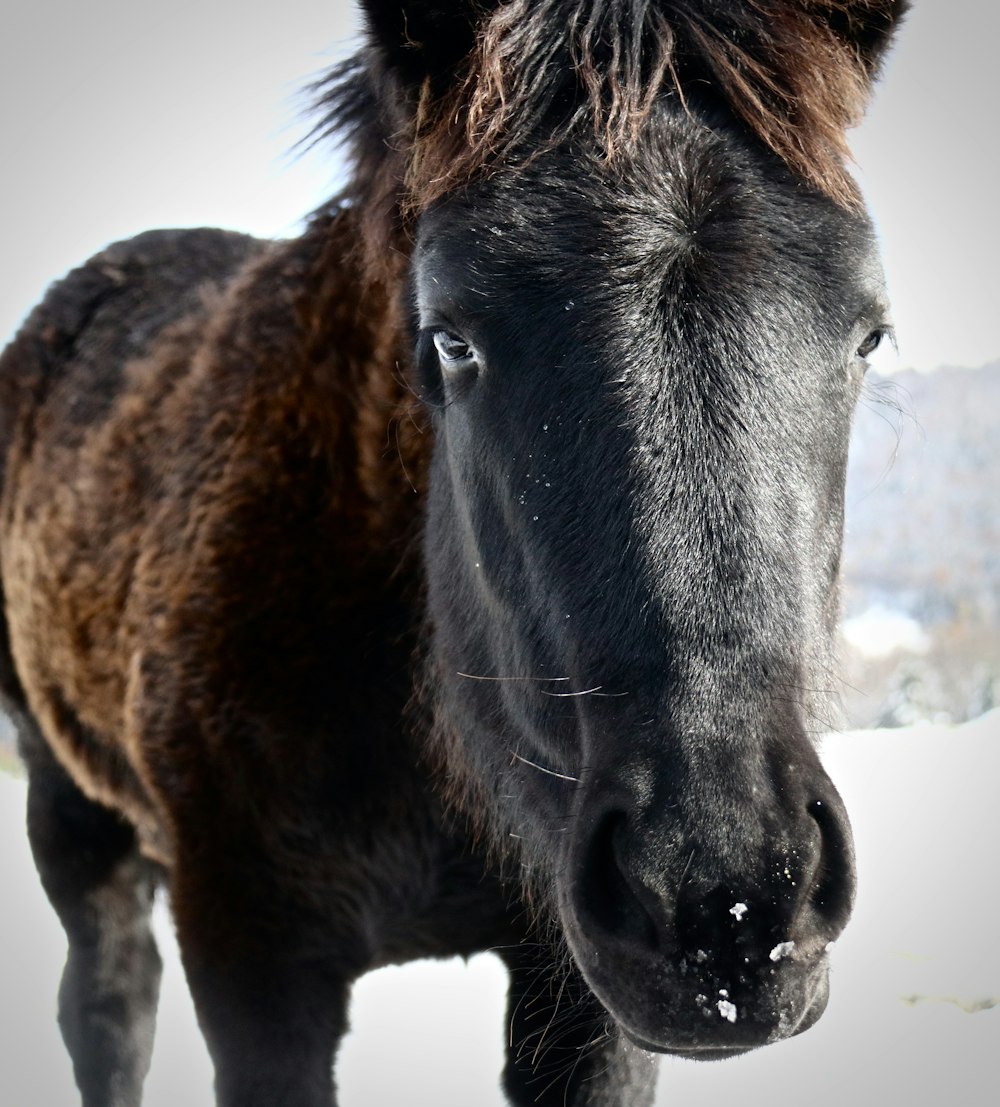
(608, 898)
(832, 891)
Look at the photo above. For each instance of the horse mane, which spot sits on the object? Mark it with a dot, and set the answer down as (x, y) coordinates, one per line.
(543, 71)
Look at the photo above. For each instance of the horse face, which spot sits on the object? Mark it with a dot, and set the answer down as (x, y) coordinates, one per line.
(641, 385)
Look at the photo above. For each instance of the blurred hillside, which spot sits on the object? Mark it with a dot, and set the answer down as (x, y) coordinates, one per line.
(922, 552)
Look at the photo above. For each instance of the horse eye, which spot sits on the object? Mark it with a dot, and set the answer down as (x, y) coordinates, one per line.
(452, 350)
(872, 342)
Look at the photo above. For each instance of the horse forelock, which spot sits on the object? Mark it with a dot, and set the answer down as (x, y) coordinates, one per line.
(545, 71)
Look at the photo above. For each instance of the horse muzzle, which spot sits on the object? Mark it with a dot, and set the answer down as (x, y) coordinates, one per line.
(708, 944)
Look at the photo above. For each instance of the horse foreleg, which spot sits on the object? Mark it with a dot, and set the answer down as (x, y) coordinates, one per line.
(563, 1049)
(271, 999)
(102, 890)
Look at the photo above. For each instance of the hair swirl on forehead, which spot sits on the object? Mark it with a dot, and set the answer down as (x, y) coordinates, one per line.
(545, 70)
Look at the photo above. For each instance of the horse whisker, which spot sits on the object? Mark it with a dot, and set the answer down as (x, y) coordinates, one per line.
(548, 772)
(565, 695)
(680, 883)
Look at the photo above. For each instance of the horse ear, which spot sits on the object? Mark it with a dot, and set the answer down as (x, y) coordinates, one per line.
(421, 39)
(868, 27)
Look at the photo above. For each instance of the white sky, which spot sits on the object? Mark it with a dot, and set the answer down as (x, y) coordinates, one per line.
(116, 117)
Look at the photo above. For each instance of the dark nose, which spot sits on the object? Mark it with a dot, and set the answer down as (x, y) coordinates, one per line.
(796, 893)
(732, 918)
(667, 889)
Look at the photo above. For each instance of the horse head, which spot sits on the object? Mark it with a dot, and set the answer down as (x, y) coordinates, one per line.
(643, 291)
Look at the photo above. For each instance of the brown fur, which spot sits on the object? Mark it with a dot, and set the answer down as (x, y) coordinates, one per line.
(238, 402)
(197, 613)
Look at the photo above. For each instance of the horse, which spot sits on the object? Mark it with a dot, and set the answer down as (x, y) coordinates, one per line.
(461, 574)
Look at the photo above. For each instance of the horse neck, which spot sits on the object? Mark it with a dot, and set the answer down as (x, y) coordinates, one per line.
(352, 350)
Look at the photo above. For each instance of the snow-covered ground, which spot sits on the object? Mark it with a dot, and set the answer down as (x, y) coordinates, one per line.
(911, 1020)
